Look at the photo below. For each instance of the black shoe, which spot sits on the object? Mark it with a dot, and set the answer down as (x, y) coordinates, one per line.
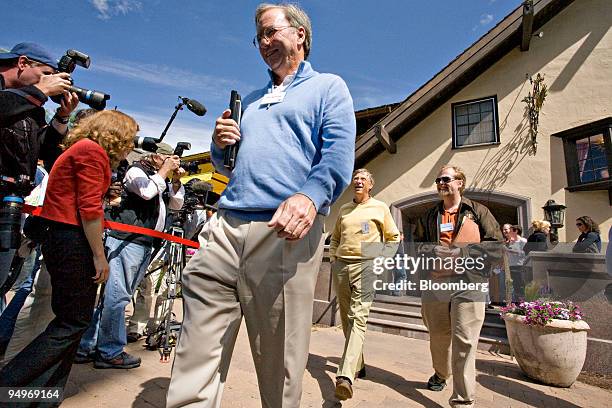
(435, 383)
(361, 373)
(133, 337)
(84, 359)
(123, 360)
(344, 389)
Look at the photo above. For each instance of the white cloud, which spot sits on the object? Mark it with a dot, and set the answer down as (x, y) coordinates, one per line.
(181, 130)
(486, 19)
(163, 75)
(108, 8)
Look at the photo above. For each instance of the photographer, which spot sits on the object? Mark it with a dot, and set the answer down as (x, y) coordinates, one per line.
(143, 204)
(27, 78)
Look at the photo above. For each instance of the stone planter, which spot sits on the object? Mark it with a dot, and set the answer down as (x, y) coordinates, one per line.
(553, 354)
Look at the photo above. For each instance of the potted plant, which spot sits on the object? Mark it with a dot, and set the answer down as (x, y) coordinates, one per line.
(548, 339)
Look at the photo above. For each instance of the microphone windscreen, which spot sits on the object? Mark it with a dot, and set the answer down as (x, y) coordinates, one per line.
(196, 107)
(201, 187)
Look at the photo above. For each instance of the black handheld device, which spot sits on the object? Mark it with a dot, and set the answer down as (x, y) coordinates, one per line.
(230, 152)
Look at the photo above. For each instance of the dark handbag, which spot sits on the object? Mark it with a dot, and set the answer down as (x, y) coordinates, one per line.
(35, 228)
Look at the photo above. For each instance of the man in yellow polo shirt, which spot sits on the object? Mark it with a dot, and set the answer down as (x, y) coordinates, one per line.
(364, 220)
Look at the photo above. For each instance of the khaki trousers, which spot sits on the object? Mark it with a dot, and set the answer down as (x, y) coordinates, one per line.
(244, 269)
(355, 293)
(457, 322)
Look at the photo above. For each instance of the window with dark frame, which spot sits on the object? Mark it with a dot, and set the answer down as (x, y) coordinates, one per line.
(588, 155)
(592, 162)
(475, 122)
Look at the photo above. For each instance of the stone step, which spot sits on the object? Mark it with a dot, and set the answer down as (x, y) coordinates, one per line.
(402, 303)
(487, 342)
(395, 315)
(413, 304)
(490, 328)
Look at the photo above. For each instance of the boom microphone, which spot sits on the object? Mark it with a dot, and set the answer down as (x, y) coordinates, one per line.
(201, 187)
(194, 106)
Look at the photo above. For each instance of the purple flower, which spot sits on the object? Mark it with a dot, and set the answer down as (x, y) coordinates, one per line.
(542, 312)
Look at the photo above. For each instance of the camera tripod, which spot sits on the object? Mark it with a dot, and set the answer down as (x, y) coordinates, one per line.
(170, 259)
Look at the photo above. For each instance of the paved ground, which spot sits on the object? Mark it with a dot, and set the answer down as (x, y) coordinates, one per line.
(397, 368)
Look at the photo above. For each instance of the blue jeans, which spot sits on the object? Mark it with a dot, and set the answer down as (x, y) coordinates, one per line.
(106, 333)
(30, 267)
(6, 257)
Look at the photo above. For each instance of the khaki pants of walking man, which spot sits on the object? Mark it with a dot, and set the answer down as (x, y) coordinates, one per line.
(245, 269)
(454, 329)
(354, 284)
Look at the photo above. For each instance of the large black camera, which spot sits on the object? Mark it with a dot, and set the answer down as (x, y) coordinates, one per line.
(68, 62)
(196, 193)
(12, 192)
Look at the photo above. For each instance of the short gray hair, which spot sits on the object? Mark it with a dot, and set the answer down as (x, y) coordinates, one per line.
(295, 16)
(367, 173)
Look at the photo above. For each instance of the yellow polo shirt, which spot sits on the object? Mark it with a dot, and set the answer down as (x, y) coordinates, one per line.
(369, 221)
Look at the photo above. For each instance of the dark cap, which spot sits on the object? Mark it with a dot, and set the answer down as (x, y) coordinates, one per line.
(33, 51)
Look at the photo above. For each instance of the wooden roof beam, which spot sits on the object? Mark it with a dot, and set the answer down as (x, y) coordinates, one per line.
(527, 25)
(383, 137)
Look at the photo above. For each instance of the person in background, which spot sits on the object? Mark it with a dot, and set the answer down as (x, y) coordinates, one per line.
(538, 240)
(28, 77)
(589, 240)
(35, 312)
(454, 319)
(29, 251)
(363, 220)
(514, 245)
(399, 272)
(72, 248)
(147, 196)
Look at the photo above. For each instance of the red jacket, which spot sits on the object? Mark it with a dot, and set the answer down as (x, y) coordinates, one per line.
(77, 184)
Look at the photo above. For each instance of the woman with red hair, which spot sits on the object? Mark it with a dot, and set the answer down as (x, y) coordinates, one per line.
(72, 218)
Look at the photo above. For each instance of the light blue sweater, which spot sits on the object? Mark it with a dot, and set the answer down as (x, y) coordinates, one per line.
(304, 144)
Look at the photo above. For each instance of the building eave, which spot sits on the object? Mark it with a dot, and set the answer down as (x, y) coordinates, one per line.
(460, 72)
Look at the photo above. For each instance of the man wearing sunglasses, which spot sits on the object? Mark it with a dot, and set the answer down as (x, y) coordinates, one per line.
(454, 318)
(263, 250)
(28, 78)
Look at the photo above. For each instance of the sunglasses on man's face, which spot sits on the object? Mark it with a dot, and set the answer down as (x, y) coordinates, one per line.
(444, 179)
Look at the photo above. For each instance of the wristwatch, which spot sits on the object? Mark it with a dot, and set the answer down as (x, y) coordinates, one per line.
(63, 121)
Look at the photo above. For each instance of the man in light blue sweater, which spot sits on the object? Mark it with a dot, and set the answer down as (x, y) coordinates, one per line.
(261, 255)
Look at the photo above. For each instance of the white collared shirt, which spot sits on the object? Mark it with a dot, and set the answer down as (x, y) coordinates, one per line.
(286, 82)
(137, 182)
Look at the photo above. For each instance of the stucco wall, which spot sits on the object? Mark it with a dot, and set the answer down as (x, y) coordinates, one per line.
(575, 56)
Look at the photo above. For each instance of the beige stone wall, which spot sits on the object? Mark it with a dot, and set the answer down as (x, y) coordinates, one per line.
(575, 55)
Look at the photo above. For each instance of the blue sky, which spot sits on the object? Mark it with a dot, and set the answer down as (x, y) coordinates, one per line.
(147, 52)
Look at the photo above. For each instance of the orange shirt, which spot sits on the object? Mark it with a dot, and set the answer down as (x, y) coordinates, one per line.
(446, 237)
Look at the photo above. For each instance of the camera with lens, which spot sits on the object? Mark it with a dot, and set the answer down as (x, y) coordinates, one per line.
(196, 195)
(12, 191)
(68, 62)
